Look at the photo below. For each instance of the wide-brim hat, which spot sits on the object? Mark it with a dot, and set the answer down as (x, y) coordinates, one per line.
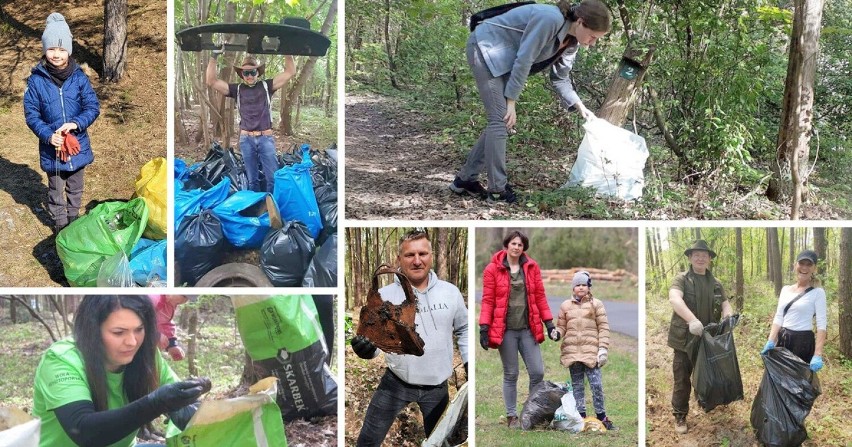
(700, 244)
(809, 255)
(250, 63)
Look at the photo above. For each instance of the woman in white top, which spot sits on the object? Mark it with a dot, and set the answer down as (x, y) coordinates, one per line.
(792, 327)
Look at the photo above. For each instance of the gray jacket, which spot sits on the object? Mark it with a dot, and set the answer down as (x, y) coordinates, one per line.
(515, 40)
(441, 315)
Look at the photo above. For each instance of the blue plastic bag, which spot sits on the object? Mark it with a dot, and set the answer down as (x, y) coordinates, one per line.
(192, 202)
(294, 194)
(148, 262)
(242, 230)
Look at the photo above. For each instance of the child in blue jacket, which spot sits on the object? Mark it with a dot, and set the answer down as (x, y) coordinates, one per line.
(60, 104)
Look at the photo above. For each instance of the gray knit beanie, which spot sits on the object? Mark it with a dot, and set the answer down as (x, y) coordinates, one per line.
(56, 33)
(581, 278)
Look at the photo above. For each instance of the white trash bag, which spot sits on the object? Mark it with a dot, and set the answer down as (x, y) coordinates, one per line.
(567, 418)
(611, 160)
(18, 429)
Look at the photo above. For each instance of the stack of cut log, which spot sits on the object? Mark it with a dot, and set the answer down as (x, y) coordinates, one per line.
(565, 276)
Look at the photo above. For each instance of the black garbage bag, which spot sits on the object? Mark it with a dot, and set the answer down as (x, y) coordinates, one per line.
(786, 394)
(542, 403)
(324, 169)
(286, 254)
(200, 246)
(291, 157)
(326, 195)
(716, 372)
(323, 269)
(220, 163)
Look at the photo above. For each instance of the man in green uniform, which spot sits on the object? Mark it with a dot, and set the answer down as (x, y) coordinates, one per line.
(697, 299)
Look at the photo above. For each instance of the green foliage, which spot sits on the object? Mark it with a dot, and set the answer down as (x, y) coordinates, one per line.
(563, 248)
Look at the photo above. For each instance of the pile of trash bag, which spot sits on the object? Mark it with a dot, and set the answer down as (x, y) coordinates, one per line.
(120, 244)
(294, 228)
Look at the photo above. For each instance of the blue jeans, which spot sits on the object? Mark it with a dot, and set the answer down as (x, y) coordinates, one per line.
(256, 151)
(391, 397)
(489, 152)
(514, 341)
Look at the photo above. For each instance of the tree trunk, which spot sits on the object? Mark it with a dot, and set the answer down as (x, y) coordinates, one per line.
(286, 126)
(625, 85)
(845, 292)
(389, 47)
(820, 246)
(115, 40)
(792, 148)
(442, 246)
(775, 262)
(739, 289)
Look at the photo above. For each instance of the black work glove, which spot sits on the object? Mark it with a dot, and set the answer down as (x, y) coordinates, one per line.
(552, 333)
(465, 370)
(483, 336)
(175, 396)
(363, 347)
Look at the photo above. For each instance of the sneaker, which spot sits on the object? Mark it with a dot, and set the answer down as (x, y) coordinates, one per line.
(680, 425)
(513, 422)
(507, 195)
(471, 187)
(608, 424)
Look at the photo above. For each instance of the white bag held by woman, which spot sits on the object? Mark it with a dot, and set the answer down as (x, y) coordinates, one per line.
(611, 160)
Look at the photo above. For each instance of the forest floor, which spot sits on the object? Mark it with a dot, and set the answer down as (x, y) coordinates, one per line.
(730, 425)
(130, 131)
(400, 160)
(361, 379)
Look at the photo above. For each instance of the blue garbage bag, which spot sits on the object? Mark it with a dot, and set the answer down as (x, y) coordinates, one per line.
(294, 194)
(148, 262)
(193, 201)
(244, 226)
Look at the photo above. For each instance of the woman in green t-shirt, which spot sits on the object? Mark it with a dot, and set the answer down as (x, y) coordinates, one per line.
(100, 387)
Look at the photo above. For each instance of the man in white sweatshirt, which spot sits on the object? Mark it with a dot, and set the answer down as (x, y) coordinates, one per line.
(441, 315)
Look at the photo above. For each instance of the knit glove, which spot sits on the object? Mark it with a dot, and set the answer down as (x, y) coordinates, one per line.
(602, 357)
(551, 330)
(696, 327)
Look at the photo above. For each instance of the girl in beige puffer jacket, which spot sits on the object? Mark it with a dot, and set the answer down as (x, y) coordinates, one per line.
(584, 330)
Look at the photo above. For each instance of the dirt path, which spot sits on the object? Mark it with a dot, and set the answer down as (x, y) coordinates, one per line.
(395, 170)
(129, 132)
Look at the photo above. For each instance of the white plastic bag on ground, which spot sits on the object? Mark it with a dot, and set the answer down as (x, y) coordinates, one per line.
(449, 420)
(567, 418)
(18, 429)
(611, 160)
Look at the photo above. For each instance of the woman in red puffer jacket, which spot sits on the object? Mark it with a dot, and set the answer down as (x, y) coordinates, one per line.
(514, 307)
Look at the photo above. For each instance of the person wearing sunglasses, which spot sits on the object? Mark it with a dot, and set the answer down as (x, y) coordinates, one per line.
(253, 96)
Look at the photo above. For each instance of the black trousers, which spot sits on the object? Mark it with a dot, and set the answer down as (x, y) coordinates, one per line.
(801, 343)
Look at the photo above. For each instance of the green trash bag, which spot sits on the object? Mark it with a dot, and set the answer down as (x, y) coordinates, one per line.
(109, 228)
(283, 334)
(246, 421)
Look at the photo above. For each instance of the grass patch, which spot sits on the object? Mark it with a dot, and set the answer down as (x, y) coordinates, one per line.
(316, 128)
(620, 380)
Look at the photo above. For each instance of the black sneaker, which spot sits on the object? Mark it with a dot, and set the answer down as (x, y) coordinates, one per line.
(608, 424)
(507, 195)
(471, 187)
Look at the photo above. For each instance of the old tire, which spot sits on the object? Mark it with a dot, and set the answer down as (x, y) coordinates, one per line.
(235, 274)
